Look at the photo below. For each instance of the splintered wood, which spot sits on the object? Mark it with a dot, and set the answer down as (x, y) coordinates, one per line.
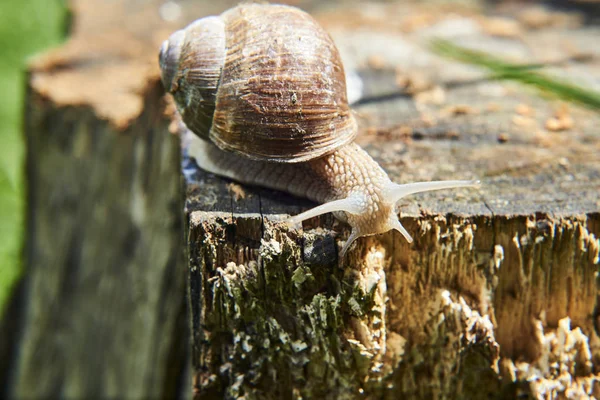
(497, 296)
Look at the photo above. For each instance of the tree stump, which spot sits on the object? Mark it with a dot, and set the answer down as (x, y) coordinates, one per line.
(496, 298)
(100, 311)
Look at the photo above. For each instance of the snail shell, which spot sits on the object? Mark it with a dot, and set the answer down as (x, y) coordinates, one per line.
(265, 81)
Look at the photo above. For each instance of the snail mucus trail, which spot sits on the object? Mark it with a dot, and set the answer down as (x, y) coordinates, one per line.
(263, 89)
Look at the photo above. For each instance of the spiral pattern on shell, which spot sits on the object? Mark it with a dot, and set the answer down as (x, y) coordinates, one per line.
(261, 80)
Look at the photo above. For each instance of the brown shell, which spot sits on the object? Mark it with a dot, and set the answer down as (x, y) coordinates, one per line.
(191, 62)
(282, 91)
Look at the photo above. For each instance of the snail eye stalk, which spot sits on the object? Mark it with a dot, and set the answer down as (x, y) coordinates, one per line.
(396, 191)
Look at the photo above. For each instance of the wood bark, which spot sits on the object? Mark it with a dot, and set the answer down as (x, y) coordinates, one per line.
(100, 311)
(497, 297)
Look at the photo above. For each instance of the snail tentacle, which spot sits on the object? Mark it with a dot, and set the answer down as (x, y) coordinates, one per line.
(397, 225)
(353, 204)
(351, 239)
(397, 191)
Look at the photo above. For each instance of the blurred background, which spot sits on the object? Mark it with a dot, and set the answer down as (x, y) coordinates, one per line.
(27, 28)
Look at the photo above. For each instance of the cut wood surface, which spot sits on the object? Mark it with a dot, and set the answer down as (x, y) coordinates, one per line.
(497, 296)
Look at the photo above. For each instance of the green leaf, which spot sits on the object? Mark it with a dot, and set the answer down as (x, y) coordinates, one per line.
(27, 27)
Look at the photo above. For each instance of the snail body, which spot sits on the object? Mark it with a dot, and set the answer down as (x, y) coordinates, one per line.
(263, 89)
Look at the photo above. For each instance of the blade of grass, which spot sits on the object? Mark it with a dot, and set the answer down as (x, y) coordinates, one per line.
(523, 73)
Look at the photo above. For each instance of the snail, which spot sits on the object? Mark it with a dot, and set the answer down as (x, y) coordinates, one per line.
(263, 89)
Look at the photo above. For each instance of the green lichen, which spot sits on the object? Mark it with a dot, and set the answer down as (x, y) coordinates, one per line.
(279, 322)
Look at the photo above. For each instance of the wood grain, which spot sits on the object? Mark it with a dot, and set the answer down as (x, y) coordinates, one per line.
(498, 280)
(496, 298)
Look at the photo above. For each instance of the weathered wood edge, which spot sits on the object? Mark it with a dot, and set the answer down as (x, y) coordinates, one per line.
(469, 262)
(102, 297)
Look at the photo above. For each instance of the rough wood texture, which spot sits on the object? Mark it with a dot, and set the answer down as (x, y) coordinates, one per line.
(100, 312)
(497, 297)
